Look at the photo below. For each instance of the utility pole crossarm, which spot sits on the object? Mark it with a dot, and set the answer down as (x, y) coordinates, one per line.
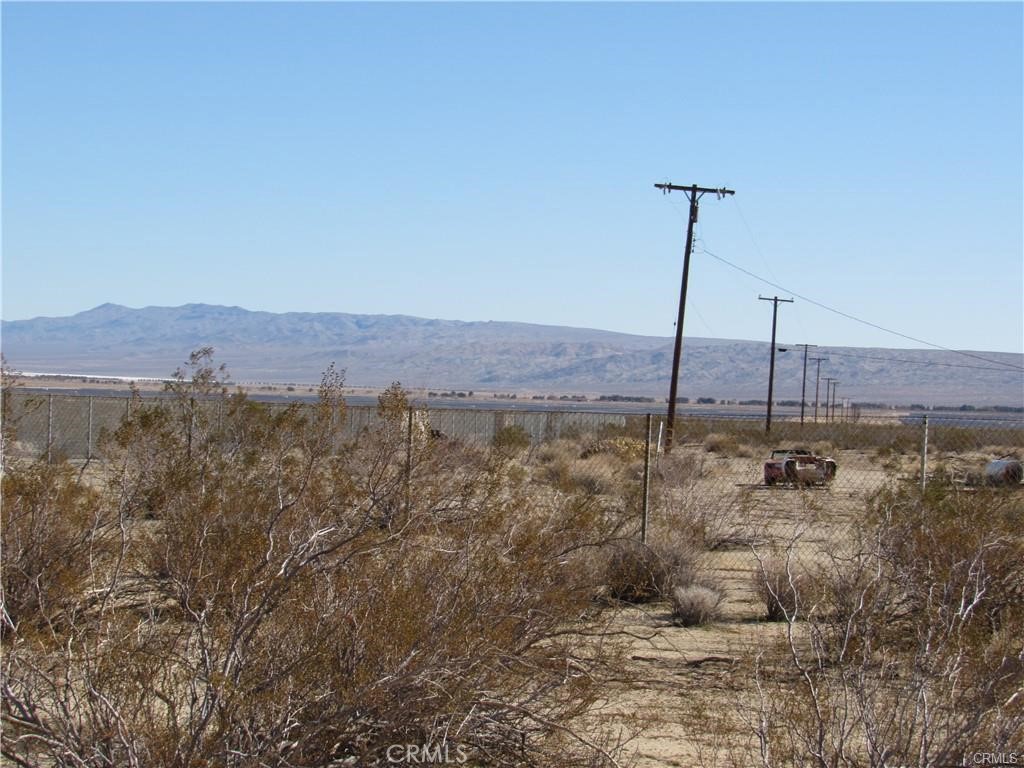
(693, 188)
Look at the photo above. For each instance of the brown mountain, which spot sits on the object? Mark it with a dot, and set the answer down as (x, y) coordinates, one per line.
(378, 349)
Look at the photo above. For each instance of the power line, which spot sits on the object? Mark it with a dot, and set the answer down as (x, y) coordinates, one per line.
(857, 319)
(919, 362)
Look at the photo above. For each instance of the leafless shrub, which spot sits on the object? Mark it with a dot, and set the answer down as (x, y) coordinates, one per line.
(248, 591)
(640, 573)
(599, 474)
(626, 449)
(779, 584)
(696, 604)
(716, 442)
(906, 656)
(555, 451)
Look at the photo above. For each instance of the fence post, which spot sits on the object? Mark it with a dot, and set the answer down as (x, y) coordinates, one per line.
(88, 437)
(647, 483)
(49, 428)
(924, 453)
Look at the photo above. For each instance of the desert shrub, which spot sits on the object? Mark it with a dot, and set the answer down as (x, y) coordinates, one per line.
(639, 573)
(696, 604)
(911, 651)
(53, 527)
(512, 439)
(779, 584)
(726, 445)
(594, 478)
(696, 515)
(248, 591)
(558, 474)
(560, 450)
(624, 448)
(822, 448)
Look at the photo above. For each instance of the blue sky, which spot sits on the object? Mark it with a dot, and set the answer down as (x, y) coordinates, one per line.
(497, 162)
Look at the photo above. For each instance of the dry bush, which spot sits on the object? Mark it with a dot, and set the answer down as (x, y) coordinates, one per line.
(716, 442)
(780, 585)
(822, 448)
(555, 451)
(599, 474)
(696, 604)
(912, 651)
(54, 529)
(687, 508)
(248, 591)
(639, 573)
(511, 439)
(626, 449)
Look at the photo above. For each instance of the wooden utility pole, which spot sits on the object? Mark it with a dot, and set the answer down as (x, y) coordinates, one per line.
(817, 383)
(694, 194)
(835, 386)
(828, 384)
(803, 387)
(771, 370)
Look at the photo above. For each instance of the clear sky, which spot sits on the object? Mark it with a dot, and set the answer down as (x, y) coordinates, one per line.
(497, 162)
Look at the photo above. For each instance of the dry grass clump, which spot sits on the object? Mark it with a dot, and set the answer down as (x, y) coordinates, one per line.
(696, 604)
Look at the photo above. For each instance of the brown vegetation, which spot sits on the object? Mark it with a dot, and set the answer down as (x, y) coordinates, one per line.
(242, 590)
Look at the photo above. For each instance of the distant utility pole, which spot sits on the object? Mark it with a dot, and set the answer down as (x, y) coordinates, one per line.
(828, 385)
(771, 370)
(817, 383)
(835, 386)
(694, 194)
(803, 387)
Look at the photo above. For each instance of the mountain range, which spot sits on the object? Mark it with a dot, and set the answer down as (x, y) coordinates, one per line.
(295, 347)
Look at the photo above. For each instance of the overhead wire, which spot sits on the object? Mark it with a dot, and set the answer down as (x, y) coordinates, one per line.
(856, 319)
(764, 261)
(832, 352)
(699, 242)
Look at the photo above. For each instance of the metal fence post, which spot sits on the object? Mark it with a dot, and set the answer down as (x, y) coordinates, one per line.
(88, 436)
(49, 428)
(924, 453)
(647, 484)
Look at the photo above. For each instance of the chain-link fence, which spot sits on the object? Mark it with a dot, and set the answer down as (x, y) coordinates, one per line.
(803, 488)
